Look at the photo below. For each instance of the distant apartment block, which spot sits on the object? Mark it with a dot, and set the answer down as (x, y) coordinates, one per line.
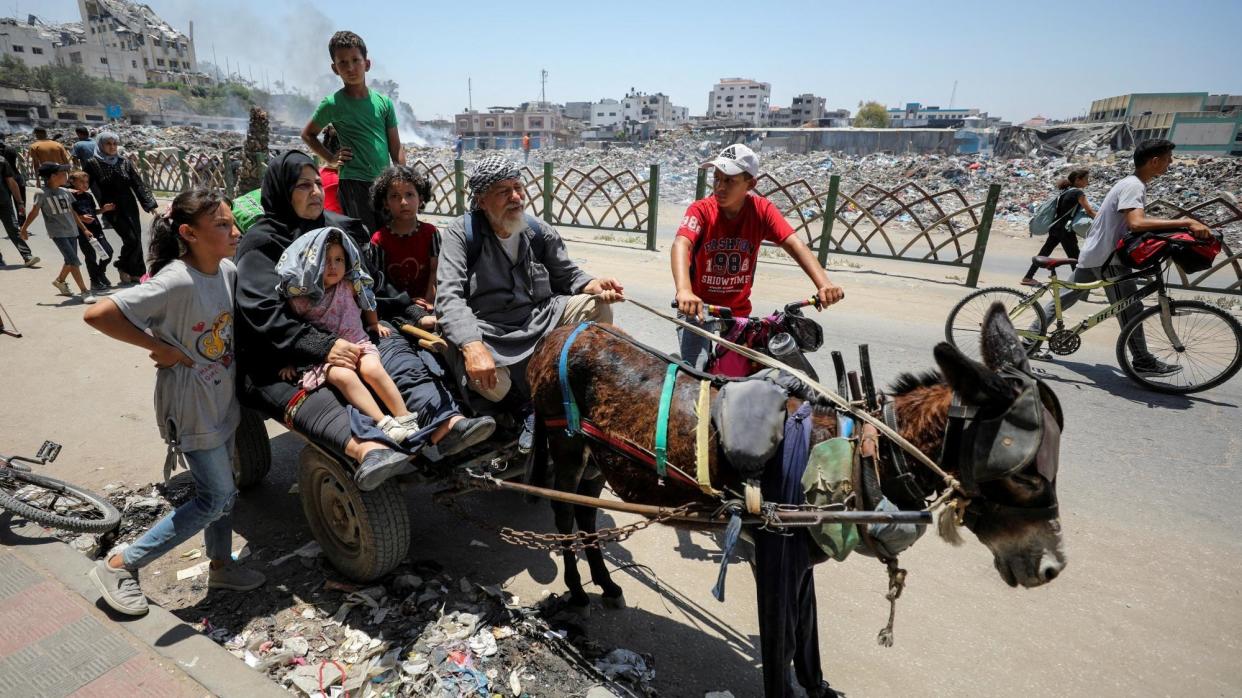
(806, 108)
(916, 115)
(741, 99)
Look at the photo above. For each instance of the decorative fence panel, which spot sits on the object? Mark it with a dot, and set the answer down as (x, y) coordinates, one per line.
(1222, 216)
(907, 223)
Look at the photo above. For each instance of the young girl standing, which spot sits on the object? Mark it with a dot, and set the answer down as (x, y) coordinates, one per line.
(183, 316)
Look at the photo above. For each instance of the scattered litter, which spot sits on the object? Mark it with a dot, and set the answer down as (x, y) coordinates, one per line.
(192, 554)
(309, 551)
(193, 571)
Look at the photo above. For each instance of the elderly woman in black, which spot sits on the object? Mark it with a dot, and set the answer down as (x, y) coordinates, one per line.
(270, 336)
(120, 191)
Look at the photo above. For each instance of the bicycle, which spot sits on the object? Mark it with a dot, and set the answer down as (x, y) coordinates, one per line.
(786, 335)
(1202, 341)
(49, 501)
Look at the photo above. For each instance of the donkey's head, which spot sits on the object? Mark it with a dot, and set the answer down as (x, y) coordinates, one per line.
(1002, 440)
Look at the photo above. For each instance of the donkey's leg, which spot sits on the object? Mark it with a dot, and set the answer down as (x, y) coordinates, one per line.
(588, 521)
(567, 455)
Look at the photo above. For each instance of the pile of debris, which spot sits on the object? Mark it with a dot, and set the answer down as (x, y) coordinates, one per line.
(258, 135)
(1026, 181)
(418, 631)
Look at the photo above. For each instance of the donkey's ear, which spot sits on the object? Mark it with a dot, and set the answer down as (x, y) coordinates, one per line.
(1000, 343)
(974, 383)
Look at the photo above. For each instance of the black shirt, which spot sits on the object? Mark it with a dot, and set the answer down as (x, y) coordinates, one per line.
(1067, 205)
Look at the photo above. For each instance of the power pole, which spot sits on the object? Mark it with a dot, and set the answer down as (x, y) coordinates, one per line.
(469, 94)
(543, 87)
(954, 95)
(215, 63)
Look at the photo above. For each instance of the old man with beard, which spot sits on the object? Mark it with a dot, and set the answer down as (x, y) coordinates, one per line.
(504, 281)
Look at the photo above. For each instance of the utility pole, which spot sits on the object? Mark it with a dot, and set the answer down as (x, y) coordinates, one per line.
(543, 87)
(228, 69)
(215, 62)
(469, 94)
(954, 95)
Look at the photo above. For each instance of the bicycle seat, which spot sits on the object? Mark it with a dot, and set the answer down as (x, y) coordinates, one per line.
(1051, 262)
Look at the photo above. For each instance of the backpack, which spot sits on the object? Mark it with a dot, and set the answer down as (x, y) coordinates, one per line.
(1139, 250)
(1045, 218)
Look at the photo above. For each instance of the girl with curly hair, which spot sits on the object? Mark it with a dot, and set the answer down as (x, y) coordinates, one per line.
(407, 248)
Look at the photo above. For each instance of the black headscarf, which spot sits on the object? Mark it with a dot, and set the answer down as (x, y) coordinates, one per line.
(276, 195)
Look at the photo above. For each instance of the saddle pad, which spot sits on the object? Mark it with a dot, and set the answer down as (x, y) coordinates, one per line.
(750, 418)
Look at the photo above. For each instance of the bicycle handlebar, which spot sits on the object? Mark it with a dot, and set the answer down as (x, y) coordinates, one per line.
(719, 311)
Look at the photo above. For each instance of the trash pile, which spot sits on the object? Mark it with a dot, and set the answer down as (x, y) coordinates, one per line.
(418, 631)
(192, 139)
(1026, 181)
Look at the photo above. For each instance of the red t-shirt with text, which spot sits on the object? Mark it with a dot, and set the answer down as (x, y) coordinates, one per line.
(407, 258)
(724, 251)
(331, 185)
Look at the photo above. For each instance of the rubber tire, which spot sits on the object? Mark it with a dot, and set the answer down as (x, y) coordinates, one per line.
(1019, 297)
(252, 450)
(111, 517)
(381, 517)
(1123, 358)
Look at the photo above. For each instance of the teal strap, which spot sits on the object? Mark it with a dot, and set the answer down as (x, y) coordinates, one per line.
(661, 435)
(572, 420)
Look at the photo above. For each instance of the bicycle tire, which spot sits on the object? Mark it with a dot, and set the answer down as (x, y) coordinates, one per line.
(958, 335)
(1187, 335)
(110, 516)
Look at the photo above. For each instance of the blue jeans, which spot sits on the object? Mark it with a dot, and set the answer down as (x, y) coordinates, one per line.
(210, 509)
(696, 350)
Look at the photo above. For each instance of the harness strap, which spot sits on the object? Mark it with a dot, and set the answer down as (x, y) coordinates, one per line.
(572, 419)
(702, 442)
(661, 434)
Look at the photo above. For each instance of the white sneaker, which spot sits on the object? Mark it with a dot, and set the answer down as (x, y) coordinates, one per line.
(62, 288)
(88, 298)
(394, 430)
(409, 421)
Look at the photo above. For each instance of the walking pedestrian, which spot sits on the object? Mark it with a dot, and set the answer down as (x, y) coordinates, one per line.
(120, 191)
(13, 210)
(1071, 200)
(56, 206)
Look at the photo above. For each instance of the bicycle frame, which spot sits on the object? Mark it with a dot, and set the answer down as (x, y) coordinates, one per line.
(1055, 285)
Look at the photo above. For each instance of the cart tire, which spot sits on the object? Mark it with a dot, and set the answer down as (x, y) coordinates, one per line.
(365, 535)
(252, 451)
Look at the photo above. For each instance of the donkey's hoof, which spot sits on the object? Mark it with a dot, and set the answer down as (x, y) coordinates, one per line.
(613, 602)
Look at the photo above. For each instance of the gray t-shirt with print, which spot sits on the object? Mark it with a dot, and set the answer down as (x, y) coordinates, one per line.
(56, 207)
(197, 406)
(1110, 221)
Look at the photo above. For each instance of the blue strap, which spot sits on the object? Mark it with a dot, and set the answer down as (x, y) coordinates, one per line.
(572, 420)
(661, 435)
(730, 539)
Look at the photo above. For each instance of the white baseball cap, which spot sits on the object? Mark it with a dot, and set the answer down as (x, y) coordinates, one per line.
(735, 159)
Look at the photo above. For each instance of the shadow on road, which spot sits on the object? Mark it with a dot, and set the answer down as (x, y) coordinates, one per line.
(1111, 380)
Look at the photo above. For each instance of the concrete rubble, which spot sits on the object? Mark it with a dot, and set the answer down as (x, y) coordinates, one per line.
(417, 632)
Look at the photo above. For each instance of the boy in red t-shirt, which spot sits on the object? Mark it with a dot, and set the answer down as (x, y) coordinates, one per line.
(717, 247)
(409, 248)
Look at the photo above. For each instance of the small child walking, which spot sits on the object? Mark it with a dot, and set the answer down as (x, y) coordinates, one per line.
(88, 213)
(183, 316)
(62, 225)
(322, 276)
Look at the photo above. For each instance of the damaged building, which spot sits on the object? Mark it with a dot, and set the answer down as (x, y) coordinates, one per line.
(1198, 123)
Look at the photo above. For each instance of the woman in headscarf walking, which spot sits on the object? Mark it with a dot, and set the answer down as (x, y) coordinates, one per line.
(120, 191)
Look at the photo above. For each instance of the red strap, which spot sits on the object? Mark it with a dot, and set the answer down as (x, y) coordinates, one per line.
(620, 444)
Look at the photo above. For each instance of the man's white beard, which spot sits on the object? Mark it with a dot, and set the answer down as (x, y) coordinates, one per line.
(511, 224)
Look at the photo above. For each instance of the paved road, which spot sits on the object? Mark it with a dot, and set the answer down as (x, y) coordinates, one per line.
(1148, 604)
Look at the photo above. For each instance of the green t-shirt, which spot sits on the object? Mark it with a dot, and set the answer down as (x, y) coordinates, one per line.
(362, 125)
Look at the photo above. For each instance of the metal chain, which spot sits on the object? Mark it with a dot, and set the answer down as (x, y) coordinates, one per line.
(557, 542)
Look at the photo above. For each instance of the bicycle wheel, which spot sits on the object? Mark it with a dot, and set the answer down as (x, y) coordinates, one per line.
(964, 327)
(1211, 347)
(57, 504)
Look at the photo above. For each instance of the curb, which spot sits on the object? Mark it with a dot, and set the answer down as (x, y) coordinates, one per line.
(213, 667)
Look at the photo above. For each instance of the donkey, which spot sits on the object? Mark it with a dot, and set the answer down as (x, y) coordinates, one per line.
(616, 385)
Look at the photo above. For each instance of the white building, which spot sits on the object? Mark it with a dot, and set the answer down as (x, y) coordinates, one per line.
(121, 25)
(37, 44)
(606, 114)
(740, 98)
(638, 107)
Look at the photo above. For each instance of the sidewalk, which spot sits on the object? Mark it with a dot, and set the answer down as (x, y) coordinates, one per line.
(58, 639)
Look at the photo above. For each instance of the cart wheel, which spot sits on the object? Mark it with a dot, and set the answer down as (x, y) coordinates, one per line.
(252, 451)
(364, 534)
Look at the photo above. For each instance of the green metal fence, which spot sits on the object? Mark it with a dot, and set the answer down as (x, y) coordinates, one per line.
(907, 223)
(597, 198)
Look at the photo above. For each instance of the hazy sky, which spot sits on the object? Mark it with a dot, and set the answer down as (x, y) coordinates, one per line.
(1013, 60)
